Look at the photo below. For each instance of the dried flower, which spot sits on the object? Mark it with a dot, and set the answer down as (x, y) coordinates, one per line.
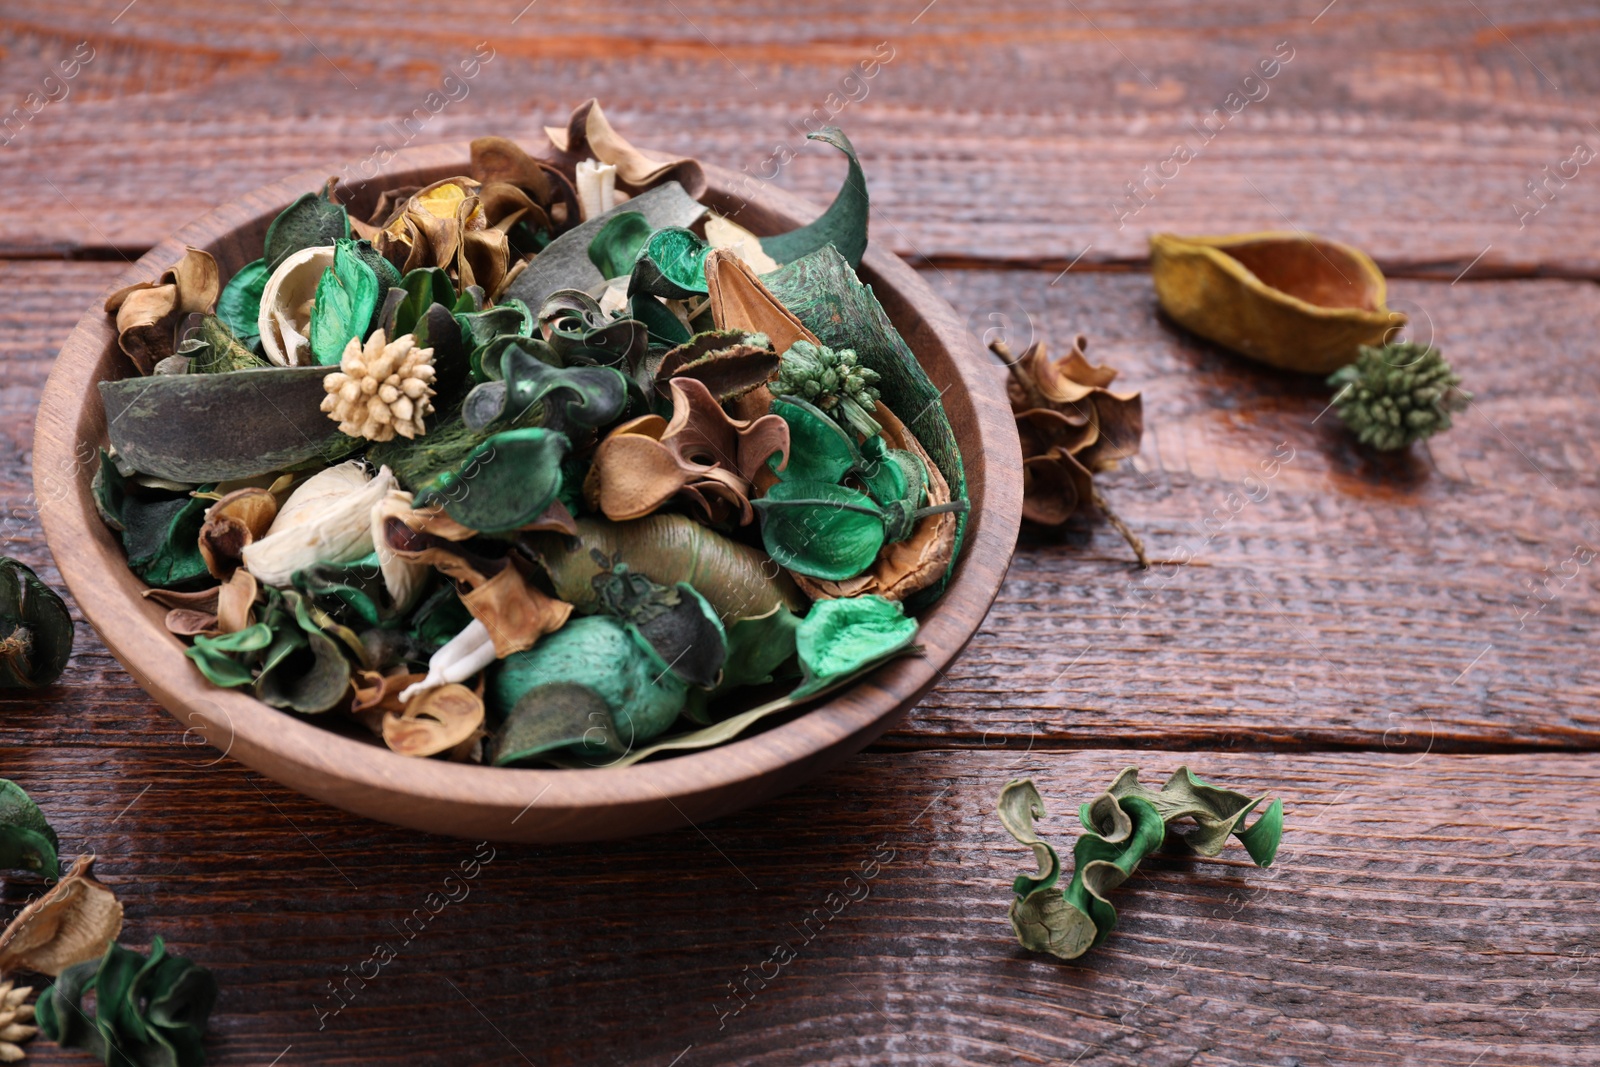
(15, 1016)
(1397, 394)
(381, 389)
(1072, 427)
(830, 379)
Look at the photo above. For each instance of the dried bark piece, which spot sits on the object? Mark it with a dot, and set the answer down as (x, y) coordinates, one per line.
(1289, 299)
(76, 920)
(589, 133)
(702, 452)
(148, 312)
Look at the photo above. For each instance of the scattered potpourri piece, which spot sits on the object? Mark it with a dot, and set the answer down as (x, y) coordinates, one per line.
(147, 1011)
(1071, 427)
(542, 462)
(35, 629)
(1123, 825)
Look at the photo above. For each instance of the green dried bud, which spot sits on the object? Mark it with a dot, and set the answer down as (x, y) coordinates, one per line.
(833, 381)
(1397, 394)
(35, 629)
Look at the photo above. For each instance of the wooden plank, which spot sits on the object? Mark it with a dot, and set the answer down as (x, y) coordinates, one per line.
(1442, 598)
(1007, 131)
(1424, 603)
(1436, 912)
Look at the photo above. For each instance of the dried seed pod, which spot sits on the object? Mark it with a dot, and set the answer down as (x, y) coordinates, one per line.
(381, 389)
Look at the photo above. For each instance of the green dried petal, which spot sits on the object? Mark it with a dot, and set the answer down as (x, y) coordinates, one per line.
(27, 841)
(840, 637)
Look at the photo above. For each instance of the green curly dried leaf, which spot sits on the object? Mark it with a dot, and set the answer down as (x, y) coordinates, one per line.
(1122, 826)
(843, 225)
(148, 1012)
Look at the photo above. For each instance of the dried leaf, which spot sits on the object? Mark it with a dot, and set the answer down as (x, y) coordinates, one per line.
(843, 225)
(824, 293)
(146, 1011)
(565, 263)
(345, 301)
(1122, 826)
(1291, 300)
(315, 220)
(74, 921)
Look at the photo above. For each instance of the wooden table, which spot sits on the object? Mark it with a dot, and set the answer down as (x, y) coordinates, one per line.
(1402, 648)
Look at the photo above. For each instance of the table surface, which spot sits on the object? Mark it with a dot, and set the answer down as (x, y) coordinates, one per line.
(1401, 648)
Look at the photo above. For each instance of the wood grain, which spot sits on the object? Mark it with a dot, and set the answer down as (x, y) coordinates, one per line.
(1432, 912)
(996, 132)
(1350, 641)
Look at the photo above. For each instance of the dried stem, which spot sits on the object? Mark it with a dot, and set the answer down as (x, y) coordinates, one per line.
(1121, 527)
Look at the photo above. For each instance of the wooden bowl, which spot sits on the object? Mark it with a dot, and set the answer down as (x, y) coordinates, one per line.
(492, 802)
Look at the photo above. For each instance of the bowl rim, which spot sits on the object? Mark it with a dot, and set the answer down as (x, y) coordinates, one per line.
(358, 776)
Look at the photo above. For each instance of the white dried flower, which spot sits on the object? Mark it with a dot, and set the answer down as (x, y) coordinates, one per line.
(382, 389)
(16, 1018)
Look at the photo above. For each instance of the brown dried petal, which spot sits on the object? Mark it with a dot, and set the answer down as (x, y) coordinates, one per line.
(377, 695)
(76, 920)
(495, 159)
(148, 312)
(187, 622)
(588, 133)
(514, 610)
(198, 600)
(436, 720)
(644, 462)
(235, 600)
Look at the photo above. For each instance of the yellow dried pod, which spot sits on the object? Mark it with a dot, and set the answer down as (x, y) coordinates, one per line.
(1291, 300)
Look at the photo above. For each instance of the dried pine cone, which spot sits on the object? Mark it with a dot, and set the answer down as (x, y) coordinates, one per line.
(16, 1018)
(1397, 394)
(382, 389)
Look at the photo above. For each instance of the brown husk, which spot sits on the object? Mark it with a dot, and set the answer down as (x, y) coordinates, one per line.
(148, 313)
(77, 919)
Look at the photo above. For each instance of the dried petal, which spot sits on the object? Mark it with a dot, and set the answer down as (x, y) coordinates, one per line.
(434, 721)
